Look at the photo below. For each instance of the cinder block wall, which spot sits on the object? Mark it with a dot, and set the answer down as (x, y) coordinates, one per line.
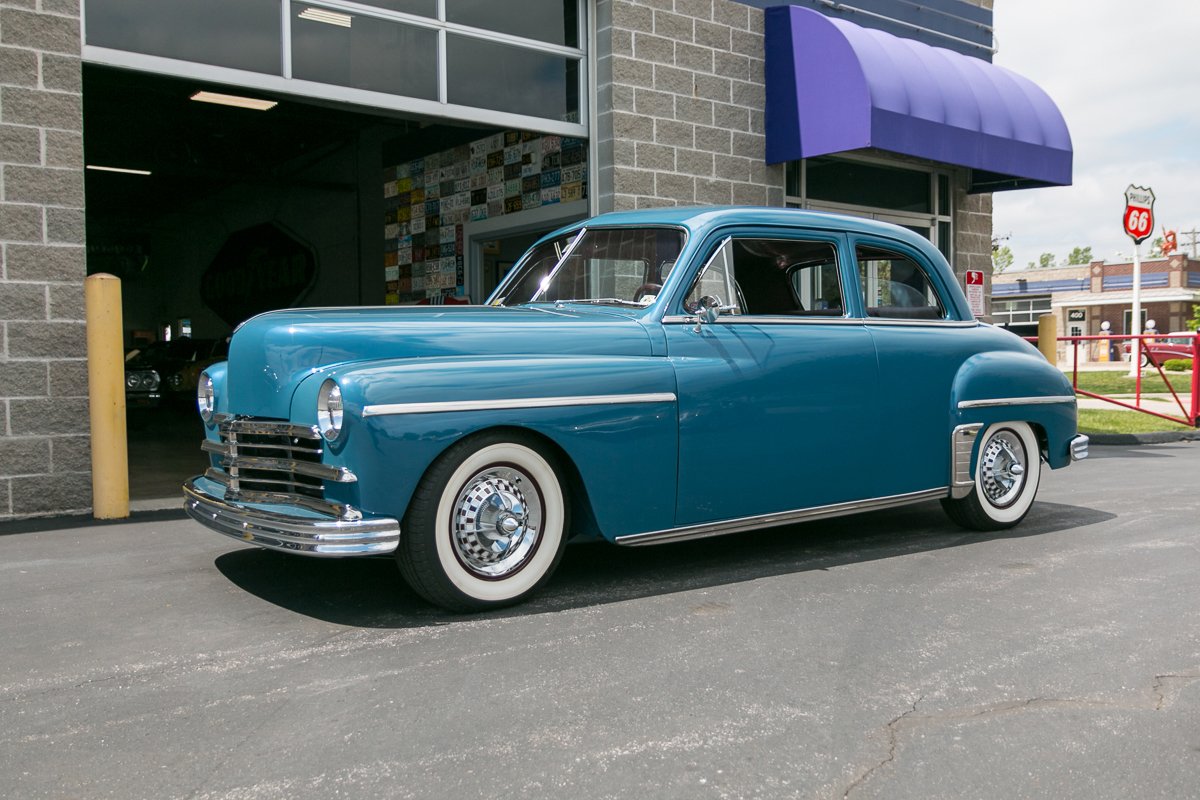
(44, 446)
(680, 111)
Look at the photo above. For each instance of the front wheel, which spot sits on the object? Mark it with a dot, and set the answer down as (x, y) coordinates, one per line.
(1007, 472)
(486, 526)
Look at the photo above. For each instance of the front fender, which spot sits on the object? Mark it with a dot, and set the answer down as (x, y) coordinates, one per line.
(1002, 386)
(614, 417)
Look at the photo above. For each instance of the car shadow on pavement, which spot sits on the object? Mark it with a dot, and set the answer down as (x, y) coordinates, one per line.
(368, 592)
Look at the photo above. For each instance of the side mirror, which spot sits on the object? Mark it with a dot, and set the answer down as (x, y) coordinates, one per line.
(709, 309)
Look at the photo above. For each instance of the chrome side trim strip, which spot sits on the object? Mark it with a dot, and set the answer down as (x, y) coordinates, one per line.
(752, 319)
(1017, 401)
(962, 444)
(526, 402)
(773, 520)
(922, 323)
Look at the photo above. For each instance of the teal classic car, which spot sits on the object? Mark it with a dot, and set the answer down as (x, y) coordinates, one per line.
(642, 377)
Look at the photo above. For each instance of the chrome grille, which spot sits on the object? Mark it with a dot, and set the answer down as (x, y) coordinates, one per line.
(270, 460)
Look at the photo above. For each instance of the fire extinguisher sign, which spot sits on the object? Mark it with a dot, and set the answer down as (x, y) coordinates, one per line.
(1139, 213)
(975, 291)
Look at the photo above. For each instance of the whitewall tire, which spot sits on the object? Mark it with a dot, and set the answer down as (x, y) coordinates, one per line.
(487, 524)
(1007, 472)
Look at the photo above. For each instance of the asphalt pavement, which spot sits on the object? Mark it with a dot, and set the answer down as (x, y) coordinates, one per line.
(888, 655)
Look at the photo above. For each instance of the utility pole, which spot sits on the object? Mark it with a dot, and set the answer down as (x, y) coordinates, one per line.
(1192, 235)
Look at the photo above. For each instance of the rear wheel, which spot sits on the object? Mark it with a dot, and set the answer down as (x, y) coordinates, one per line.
(486, 526)
(1007, 472)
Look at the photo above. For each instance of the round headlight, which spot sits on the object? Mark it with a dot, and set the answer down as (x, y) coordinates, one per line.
(206, 398)
(329, 410)
(150, 380)
(132, 380)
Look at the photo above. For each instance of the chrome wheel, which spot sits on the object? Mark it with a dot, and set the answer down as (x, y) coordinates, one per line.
(1008, 468)
(487, 525)
(1002, 468)
(497, 522)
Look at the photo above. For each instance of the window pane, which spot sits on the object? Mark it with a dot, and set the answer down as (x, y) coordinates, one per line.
(242, 34)
(943, 195)
(714, 281)
(792, 179)
(363, 52)
(784, 276)
(553, 21)
(503, 78)
(872, 185)
(895, 287)
(421, 8)
(944, 239)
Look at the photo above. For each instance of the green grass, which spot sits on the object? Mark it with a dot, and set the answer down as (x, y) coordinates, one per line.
(1120, 383)
(1092, 420)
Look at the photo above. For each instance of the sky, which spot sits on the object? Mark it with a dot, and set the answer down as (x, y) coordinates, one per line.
(1126, 76)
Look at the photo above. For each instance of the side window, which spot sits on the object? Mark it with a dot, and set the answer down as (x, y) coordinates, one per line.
(896, 287)
(773, 277)
(715, 280)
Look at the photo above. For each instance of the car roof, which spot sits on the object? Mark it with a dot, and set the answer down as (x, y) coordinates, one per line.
(701, 219)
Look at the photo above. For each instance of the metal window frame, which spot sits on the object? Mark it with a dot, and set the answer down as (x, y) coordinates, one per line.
(923, 220)
(284, 83)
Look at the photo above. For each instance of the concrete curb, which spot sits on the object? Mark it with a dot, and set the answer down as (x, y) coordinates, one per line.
(1158, 437)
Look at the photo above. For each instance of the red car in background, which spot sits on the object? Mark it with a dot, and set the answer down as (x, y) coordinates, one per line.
(1160, 349)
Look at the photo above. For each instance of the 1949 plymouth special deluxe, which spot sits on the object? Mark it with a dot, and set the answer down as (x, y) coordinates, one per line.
(643, 377)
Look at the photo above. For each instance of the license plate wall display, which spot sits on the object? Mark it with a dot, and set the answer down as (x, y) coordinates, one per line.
(428, 200)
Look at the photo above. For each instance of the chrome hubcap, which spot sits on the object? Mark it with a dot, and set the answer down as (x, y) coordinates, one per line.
(1002, 468)
(497, 522)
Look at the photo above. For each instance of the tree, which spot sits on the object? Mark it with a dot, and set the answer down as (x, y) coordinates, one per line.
(1046, 260)
(1156, 245)
(1080, 255)
(1194, 323)
(1002, 259)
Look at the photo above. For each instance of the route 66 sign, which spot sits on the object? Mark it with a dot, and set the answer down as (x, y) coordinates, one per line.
(1139, 213)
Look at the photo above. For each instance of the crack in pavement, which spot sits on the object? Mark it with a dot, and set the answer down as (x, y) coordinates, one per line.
(1166, 688)
(891, 754)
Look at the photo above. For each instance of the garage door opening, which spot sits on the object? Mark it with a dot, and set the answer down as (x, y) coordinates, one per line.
(211, 213)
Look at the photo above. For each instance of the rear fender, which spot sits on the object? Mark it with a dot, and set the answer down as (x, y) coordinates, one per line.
(1006, 386)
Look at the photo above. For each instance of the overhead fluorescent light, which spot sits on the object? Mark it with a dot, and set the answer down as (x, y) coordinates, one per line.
(119, 169)
(234, 100)
(328, 17)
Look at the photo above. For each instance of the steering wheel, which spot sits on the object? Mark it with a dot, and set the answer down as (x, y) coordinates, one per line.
(646, 289)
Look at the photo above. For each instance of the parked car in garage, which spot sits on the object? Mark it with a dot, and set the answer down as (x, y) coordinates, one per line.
(643, 377)
(180, 383)
(142, 386)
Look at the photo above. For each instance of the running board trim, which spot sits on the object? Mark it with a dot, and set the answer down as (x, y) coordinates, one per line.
(774, 520)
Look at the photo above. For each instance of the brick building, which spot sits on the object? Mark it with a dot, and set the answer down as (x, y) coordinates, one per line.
(404, 151)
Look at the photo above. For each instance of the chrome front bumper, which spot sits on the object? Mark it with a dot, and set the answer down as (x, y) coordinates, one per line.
(289, 530)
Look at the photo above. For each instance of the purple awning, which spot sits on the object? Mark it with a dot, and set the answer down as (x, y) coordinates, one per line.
(833, 86)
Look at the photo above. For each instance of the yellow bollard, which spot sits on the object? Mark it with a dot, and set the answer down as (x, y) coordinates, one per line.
(106, 397)
(1048, 337)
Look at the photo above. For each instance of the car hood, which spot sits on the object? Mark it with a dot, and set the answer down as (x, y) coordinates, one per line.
(271, 353)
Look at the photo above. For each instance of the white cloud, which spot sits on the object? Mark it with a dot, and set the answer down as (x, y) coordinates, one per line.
(1126, 78)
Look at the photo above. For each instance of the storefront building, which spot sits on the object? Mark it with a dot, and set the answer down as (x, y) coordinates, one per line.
(407, 151)
(1083, 298)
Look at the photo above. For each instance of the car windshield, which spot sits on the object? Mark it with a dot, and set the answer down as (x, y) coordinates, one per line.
(610, 266)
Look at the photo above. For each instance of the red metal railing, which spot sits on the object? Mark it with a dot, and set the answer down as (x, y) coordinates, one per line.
(1189, 409)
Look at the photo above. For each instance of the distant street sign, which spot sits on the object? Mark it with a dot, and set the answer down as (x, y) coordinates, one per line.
(975, 291)
(1139, 213)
